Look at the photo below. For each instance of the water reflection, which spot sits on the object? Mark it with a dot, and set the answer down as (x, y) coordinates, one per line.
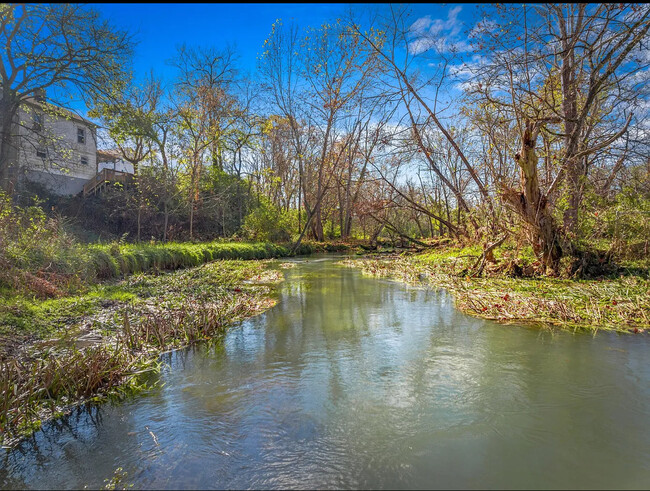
(351, 382)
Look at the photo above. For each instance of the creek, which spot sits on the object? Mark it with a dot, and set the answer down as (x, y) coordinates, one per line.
(357, 382)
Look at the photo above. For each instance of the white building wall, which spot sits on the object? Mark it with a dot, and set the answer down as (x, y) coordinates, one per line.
(58, 138)
(119, 165)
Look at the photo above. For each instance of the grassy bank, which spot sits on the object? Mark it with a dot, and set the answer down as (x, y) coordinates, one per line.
(101, 340)
(617, 303)
(39, 256)
(44, 288)
(117, 260)
(56, 272)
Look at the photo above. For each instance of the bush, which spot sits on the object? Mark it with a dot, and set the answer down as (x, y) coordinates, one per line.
(34, 243)
(267, 222)
(38, 257)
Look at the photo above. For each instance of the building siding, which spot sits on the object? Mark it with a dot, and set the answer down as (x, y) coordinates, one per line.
(61, 170)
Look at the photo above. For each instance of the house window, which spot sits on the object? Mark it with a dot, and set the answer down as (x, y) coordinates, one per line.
(84, 160)
(41, 153)
(38, 122)
(81, 135)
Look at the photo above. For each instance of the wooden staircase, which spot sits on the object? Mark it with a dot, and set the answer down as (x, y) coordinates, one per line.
(104, 178)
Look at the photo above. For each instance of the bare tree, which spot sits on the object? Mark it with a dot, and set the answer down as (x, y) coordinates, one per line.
(567, 73)
(61, 48)
(391, 40)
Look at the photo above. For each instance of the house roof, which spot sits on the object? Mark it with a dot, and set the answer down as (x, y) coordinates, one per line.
(65, 112)
(109, 153)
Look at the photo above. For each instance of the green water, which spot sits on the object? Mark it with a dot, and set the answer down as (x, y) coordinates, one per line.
(354, 382)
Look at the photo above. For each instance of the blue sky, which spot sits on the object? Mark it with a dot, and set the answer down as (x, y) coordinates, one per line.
(159, 28)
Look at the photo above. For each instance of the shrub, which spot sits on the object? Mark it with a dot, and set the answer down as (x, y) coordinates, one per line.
(38, 245)
(267, 222)
(38, 256)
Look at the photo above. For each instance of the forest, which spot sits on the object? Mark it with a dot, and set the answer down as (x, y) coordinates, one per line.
(374, 128)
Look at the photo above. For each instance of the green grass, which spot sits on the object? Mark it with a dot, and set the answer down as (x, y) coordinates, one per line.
(39, 257)
(100, 262)
(109, 261)
(26, 312)
(27, 316)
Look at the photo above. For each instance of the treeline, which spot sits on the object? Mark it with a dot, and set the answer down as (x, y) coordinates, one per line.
(530, 128)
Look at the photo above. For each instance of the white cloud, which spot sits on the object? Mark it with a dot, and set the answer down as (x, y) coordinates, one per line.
(421, 45)
(427, 33)
(481, 26)
(466, 73)
(421, 25)
(468, 68)
(641, 53)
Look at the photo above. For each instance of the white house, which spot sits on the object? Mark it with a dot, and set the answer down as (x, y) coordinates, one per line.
(58, 149)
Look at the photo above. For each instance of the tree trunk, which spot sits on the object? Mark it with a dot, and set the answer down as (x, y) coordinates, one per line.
(375, 236)
(191, 220)
(348, 222)
(317, 224)
(343, 207)
(166, 222)
(532, 205)
(8, 147)
(570, 116)
(139, 220)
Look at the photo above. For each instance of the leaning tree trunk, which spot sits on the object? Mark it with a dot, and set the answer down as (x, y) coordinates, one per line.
(532, 205)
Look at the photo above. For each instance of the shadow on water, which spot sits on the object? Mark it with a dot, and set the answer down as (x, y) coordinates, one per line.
(353, 382)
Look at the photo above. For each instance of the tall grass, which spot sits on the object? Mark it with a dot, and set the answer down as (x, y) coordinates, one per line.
(37, 388)
(108, 261)
(38, 257)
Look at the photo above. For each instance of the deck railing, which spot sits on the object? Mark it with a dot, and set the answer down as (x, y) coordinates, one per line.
(104, 177)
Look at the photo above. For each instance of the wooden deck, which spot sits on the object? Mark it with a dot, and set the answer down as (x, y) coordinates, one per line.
(104, 178)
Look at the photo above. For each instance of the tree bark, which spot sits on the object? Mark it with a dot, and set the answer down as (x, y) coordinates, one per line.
(317, 224)
(531, 204)
(570, 115)
(8, 108)
(166, 222)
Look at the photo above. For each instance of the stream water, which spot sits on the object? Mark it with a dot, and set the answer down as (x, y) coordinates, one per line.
(355, 382)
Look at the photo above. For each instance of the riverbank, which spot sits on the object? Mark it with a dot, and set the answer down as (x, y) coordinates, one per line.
(70, 268)
(61, 352)
(38, 297)
(620, 303)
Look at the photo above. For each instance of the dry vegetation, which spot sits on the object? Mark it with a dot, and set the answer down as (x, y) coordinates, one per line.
(104, 347)
(618, 303)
